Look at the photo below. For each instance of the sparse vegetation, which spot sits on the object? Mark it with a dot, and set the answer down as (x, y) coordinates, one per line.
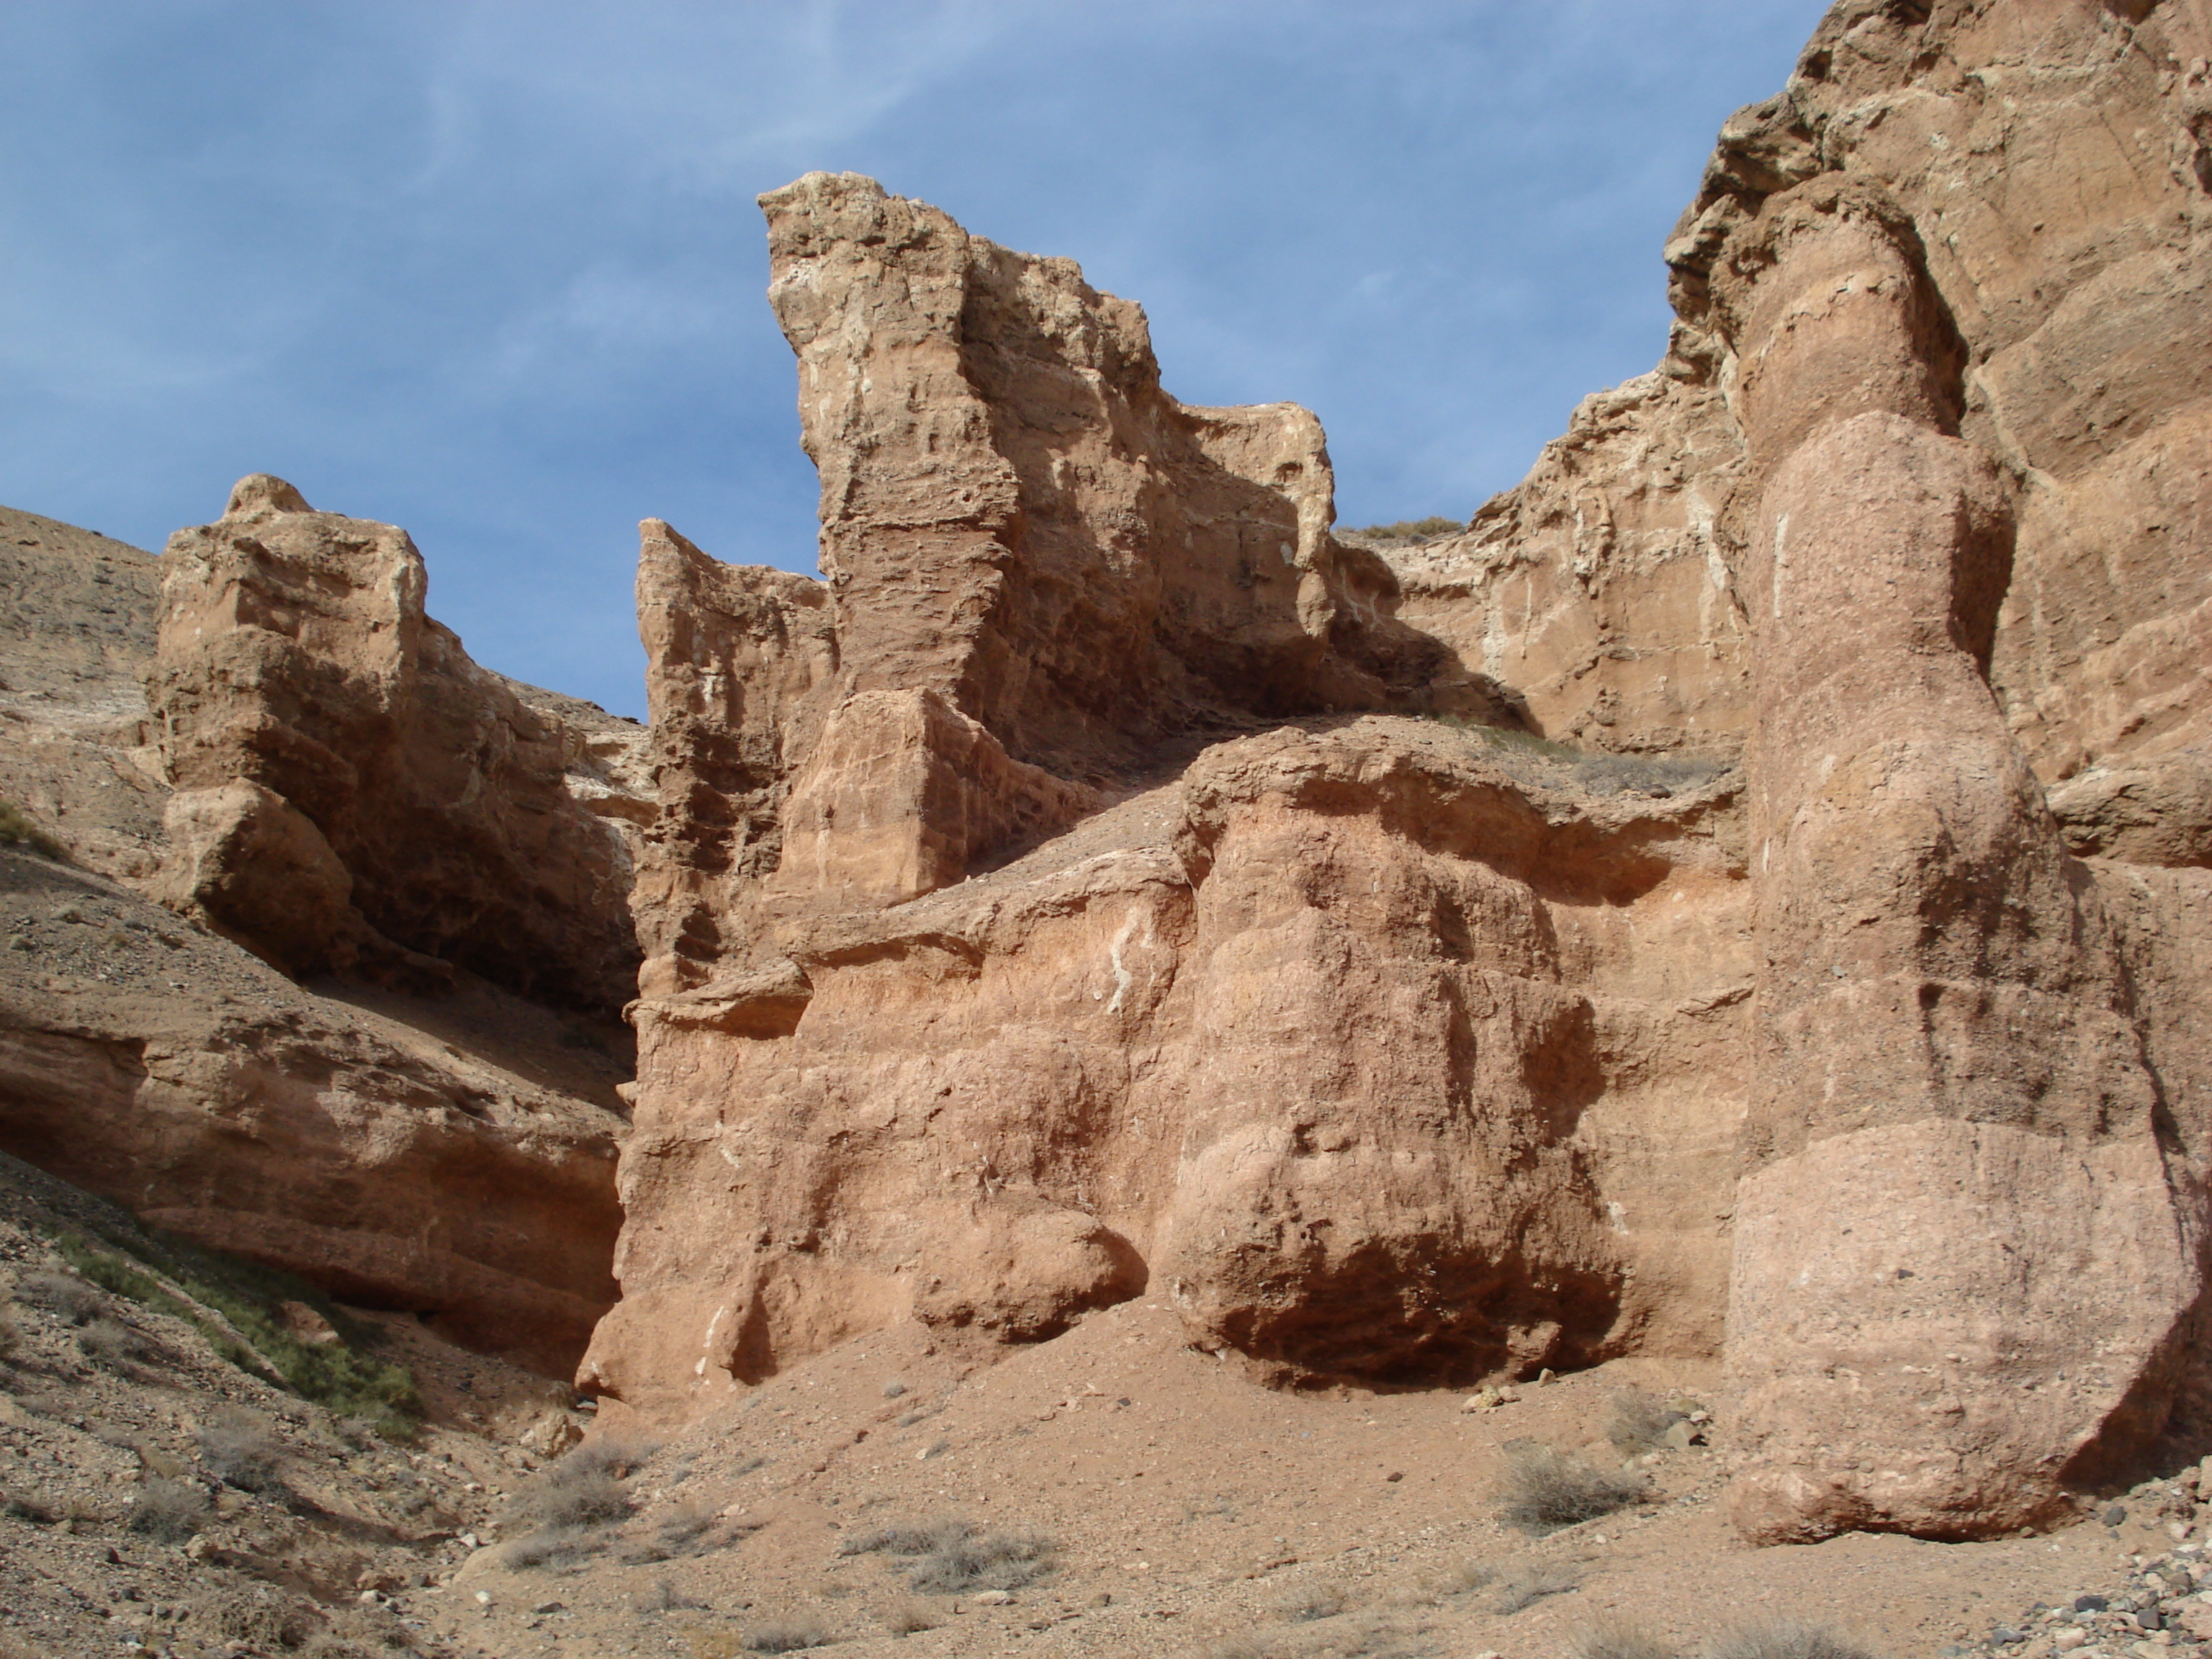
(787, 1635)
(110, 1344)
(227, 1300)
(664, 1597)
(1786, 1639)
(554, 1547)
(1613, 1639)
(907, 1616)
(16, 829)
(1544, 1488)
(1597, 771)
(1639, 1421)
(1462, 1580)
(19, 1505)
(241, 1452)
(168, 1511)
(1526, 1585)
(1309, 1602)
(1408, 530)
(65, 1294)
(256, 1618)
(948, 1555)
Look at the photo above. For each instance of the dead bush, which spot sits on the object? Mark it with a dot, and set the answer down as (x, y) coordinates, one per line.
(1785, 1638)
(1307, 1603)
(607, 1458)
(787, 1635)
(554, 1547)
(363, 1633)
(591, 1500)
(1639, 1421)
(239, 1451)
(993, 1560)
(664, 1597)
(1544, 1488)
(1613, 1639)
(1526, 1585)
(257, 1617)
(63, 1293)
(20, 1506)
(10, 1337)
(907, 1537)
(110, 1344)
(954, 1557)
(168, 1511)
(1463, 1579)
(907, 1616)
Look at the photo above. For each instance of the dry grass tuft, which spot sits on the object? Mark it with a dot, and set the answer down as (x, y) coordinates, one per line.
(787, 1635)
(1309, 1602)
(1526, 1585)
(554, 1547)
(65, 1294)
(909, 1615)
(239, 1451)
(1786, 1639)
(168, 1511)
(1639, 1421)
(1544, 1488)
(1613, 1639)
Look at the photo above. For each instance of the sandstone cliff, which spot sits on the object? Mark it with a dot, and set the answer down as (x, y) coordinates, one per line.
(1086, 913)
(451, 1156)
(350, 784)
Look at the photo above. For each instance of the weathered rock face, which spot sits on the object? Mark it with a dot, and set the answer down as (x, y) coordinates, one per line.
(1220, 1038)
(350, 785)
(76, 622)
(451, 1156)
(1386, 1050)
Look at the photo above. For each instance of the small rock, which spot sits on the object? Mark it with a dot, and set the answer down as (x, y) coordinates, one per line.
(991, 1598)
(484, 1598)
(2091, 1603)
(2067, 1638)
(1545, 1378)
(1394, 1476)
(2005, 1636)
(2114, 1513)
(550, 1606)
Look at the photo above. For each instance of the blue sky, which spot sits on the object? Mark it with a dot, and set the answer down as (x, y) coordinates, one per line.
(493, 271)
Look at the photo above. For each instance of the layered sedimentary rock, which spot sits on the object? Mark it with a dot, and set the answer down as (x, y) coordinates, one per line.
(451, 1156)
(76, 621)
(972, 997)
(351, 787)
(1389, 1051)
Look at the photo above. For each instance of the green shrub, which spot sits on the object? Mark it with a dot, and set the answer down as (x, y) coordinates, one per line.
(244, 1298)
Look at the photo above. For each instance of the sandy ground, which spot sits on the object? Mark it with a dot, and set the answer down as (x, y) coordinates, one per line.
(1194, 1513)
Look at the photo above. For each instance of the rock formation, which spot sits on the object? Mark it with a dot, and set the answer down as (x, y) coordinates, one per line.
(912, 1046)
(349, 785)
(1061, 899)
(451, 1157)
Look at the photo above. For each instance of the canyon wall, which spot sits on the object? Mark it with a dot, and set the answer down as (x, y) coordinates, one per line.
(1076, 894)
(414, 1136)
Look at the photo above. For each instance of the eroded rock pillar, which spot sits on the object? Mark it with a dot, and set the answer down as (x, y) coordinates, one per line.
(1960, 1265)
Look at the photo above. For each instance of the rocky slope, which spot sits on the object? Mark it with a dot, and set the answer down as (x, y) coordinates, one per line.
(1088, 914)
